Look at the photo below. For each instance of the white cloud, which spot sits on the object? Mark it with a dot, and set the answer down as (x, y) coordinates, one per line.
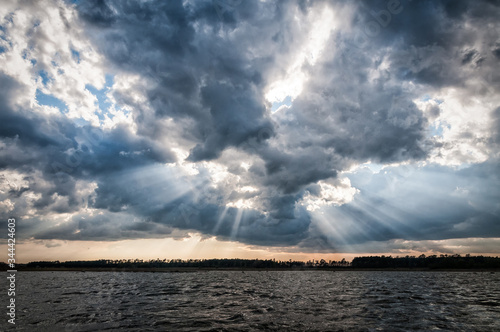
(464, 120)
(48, 51)
(331, 194)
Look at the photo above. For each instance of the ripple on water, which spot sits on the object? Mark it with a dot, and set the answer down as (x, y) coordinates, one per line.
(273, 300)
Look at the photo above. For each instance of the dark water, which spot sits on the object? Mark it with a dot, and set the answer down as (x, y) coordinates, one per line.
(272, 301)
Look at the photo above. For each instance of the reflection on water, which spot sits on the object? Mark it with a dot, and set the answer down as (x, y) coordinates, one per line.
(258, 300)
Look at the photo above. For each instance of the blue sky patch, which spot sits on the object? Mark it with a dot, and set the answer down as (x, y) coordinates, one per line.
(436, 129)
(45, 77)
(50, 100)
(425, 97)
(101, 94)
(76, 55)
(287, 102)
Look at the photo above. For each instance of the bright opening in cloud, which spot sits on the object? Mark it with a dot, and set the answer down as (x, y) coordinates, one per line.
(322, 24)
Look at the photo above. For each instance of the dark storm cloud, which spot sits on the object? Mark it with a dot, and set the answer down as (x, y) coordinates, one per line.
(175, 201)
(105, 227)
(64, 153)
(207, 69)
(291, 172)
(204, 77)
(236, 116)
(428, 35)
(14, 125)
(379, 123)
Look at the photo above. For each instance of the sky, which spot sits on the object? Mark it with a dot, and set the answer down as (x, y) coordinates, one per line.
(249, 129)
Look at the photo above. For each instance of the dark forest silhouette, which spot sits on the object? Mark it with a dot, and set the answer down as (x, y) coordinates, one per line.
(367, 262)
(430, 262)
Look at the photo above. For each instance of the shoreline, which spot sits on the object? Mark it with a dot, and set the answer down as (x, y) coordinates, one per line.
(208, 269)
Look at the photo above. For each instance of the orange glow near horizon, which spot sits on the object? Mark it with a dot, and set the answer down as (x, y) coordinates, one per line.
(189, 248)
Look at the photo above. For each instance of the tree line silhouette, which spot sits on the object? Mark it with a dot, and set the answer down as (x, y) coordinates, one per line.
(180, 263)
(366, 262)
(430, 262)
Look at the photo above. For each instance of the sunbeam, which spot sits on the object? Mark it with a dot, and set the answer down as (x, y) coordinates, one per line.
(236, 224)
(220, 220)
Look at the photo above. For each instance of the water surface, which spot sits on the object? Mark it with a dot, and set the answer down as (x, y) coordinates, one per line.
(258, 300)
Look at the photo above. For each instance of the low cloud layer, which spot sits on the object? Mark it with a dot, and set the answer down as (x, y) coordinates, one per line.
(323, 126)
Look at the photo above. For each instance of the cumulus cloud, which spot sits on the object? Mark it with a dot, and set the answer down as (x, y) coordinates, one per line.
(319, 125)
